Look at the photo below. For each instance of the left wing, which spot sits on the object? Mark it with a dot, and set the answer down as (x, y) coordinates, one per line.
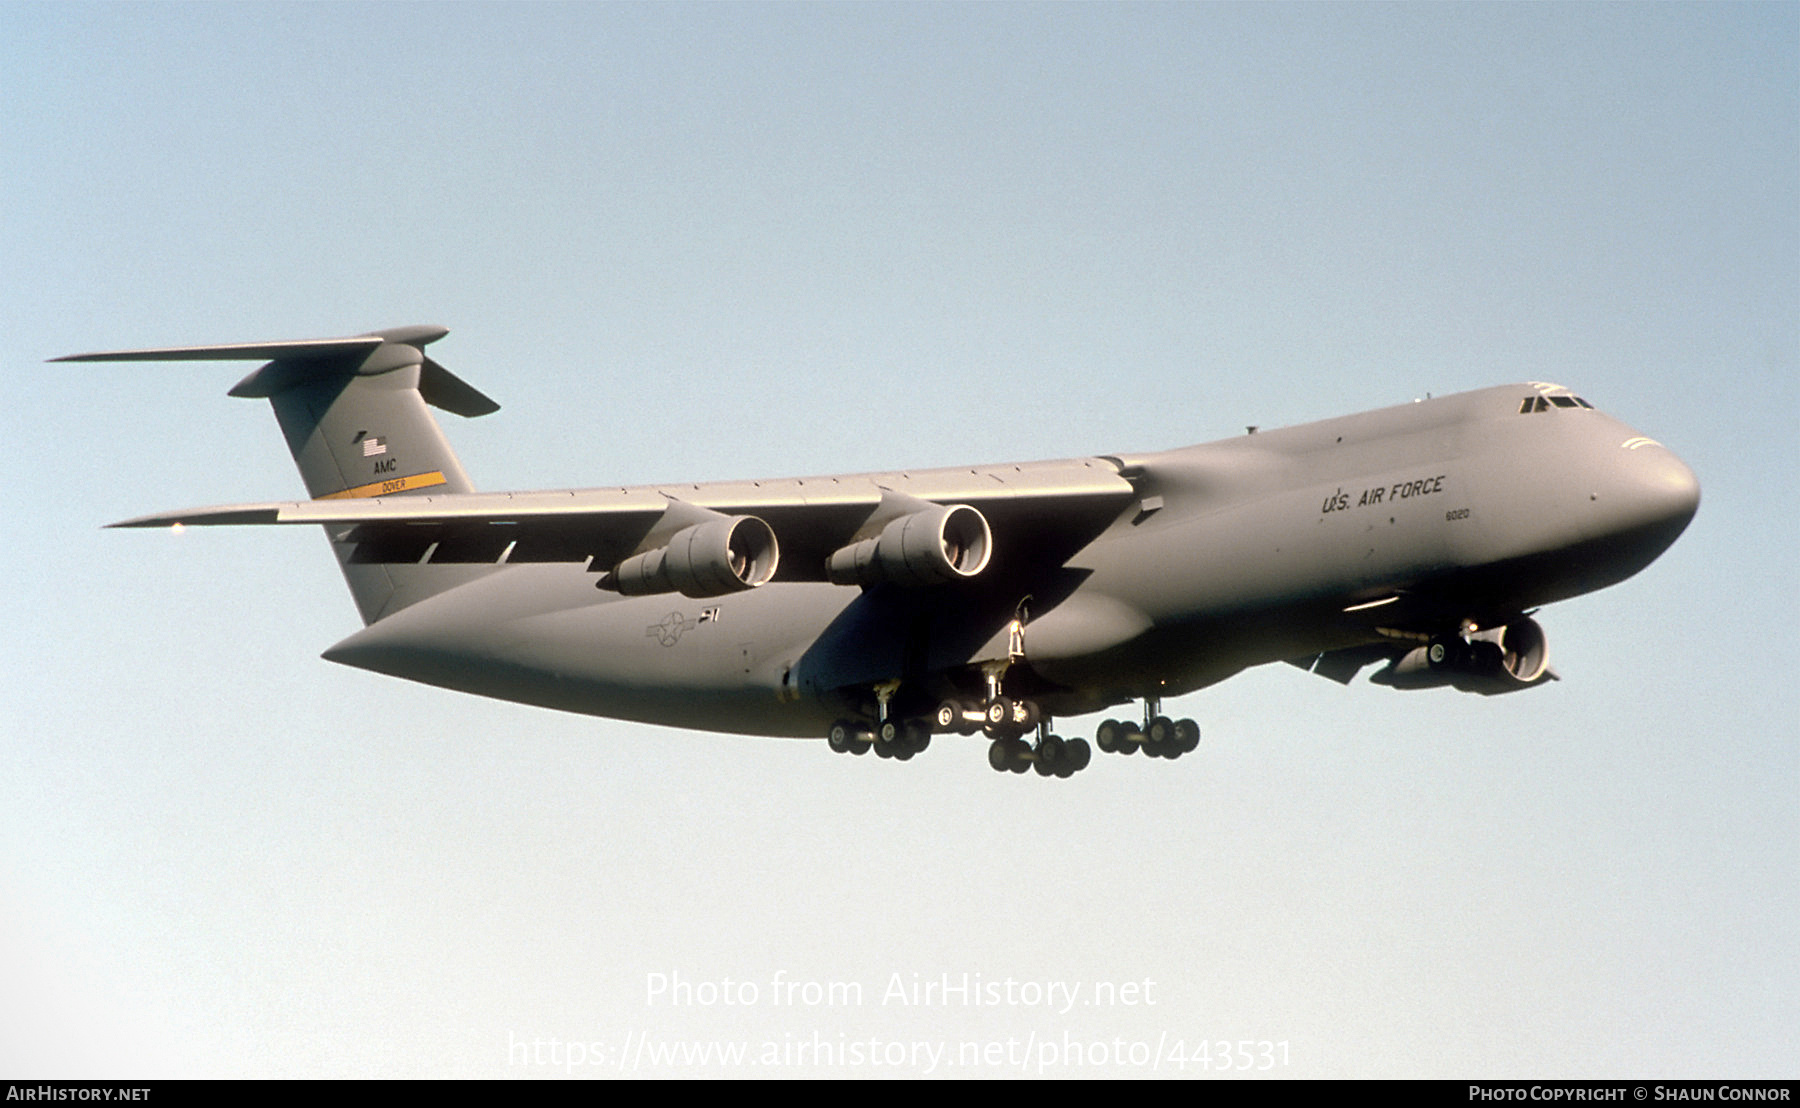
(851, 529)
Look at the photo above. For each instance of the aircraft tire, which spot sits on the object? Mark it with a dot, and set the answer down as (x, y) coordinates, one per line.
(1106, 737)
(1129, 738)
(1000, 756)
(1077, 755)
(841, 735)
(948, 717)
(998, 715)
(1025, 715)
(1187, 736)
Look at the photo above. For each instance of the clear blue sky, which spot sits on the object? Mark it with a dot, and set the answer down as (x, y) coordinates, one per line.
(711, 241)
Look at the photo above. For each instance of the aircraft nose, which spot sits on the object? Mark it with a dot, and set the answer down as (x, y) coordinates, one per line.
(1650, 490)
(1669, 491)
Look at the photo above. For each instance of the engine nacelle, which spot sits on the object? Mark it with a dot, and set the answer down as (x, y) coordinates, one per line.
(1497, 660)
(926, 547)
(708, 559)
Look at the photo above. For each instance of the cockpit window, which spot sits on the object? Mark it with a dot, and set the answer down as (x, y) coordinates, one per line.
(1543, 404)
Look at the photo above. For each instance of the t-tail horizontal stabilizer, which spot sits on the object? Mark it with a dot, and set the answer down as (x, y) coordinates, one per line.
(374, 353)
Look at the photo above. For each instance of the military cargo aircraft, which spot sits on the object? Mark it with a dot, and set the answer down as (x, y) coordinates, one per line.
(879, 609)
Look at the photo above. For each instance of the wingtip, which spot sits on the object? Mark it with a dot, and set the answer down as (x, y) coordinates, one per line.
(224, 516)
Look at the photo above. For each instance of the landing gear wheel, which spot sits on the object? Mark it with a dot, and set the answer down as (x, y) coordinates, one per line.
(998, 715)
(1106, 737)
(898, 739)
(1130, 738)
(1076, 756)
(1050, 757)
(948, 717)
(1009, 756)
(841, 736)
(917, 737)
(1187, 736)
(1025, 714)
(1160, 732)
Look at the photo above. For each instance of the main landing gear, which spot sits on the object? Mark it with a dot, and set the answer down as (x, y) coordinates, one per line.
(1050, 756)
(891, 737)
(1160, 736)
(1006, 722)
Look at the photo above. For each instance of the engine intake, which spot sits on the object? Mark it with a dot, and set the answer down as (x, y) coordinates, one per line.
(707, 559)
(1498, 660)
(920, 548)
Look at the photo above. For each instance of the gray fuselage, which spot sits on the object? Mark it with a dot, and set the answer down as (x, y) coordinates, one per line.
(1465, 510)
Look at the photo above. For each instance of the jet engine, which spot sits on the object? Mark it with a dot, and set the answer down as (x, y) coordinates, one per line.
(927, 547)
(721, 556)
(1497, 660)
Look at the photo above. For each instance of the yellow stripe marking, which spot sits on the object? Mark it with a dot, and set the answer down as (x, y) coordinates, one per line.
(385, 488)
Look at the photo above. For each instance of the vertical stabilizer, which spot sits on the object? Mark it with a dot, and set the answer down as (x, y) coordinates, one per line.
(354, 412)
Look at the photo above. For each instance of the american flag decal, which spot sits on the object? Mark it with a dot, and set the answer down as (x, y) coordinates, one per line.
(374, 445)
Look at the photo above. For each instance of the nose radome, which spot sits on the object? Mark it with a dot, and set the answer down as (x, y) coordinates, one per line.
(1669, 484)
(1652, 487)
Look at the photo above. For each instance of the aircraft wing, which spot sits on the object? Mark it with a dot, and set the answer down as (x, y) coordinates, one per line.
(1039, 511)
